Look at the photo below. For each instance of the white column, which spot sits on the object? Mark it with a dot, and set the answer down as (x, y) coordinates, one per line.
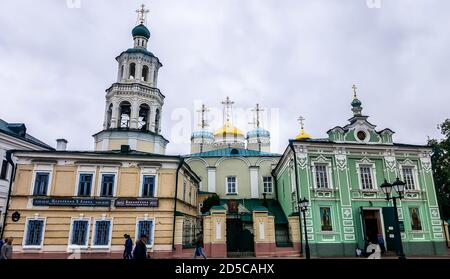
(212, 179)
(254, 177)
(115, 116)
(134, 115)
(151, 127)
(151, 72)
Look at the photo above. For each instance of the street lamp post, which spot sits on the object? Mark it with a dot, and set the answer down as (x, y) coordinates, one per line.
(303, 206)
(399, 187)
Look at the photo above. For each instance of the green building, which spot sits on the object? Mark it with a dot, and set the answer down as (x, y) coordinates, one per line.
(341, 177)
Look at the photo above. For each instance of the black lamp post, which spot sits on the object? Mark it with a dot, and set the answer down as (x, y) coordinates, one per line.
(399, 187)
(303, 206)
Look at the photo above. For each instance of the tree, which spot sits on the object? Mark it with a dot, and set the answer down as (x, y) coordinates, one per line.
(441, 168)
(210, 202)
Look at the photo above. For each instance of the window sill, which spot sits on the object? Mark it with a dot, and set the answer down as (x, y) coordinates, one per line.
(232, 194)
(374, 191)
(32, 248)
(72, 247)
(100, 248)
(328, 232)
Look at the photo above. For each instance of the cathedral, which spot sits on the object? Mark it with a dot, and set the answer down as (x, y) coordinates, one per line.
(321, 196)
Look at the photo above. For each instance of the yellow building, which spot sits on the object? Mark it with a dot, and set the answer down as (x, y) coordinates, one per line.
(81, 203)
(65, 202)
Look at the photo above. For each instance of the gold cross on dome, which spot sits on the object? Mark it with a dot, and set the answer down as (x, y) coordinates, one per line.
(142, 14)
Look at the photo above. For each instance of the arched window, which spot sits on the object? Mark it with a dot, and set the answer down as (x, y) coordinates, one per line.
(132, 71)
(109, 116)
(125, 114)
(145, 73)
(144, 112)
(157, 116)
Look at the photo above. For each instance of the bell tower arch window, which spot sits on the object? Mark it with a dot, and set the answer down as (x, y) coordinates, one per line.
(125, 114)
(144, 112)
(145, 72)
(132, 71)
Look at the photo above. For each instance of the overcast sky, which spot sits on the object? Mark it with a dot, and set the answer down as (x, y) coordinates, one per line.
(294, 57)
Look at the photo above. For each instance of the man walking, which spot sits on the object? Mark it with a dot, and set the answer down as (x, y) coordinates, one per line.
(6, 252)
(199, 247)
(140, 250)
(381, 243)
(127, 253)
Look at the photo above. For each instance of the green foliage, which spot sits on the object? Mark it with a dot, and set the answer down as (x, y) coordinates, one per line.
(441, 167)
(210, 202)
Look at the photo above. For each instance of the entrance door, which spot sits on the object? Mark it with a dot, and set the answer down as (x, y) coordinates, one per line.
(389, 226)
(372, 224)
(239, 240)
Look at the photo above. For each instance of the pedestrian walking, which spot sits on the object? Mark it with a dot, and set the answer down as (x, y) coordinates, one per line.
(140, 250)
(381, 243)
(6, 253)
(127, 253)
(199, 247)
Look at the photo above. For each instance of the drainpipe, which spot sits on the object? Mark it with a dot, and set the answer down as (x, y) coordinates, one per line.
(13, 172)
(291, 145)
(180, 164)
(275, 184)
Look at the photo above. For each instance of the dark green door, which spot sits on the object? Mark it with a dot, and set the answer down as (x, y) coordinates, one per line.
(389, 228)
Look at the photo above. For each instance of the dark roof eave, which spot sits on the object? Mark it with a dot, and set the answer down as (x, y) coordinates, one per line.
(37, 143)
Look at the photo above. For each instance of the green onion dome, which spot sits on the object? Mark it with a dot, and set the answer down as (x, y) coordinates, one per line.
(141, 31)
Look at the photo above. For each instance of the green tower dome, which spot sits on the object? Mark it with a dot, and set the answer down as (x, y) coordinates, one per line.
(141, 31)
(356, 103)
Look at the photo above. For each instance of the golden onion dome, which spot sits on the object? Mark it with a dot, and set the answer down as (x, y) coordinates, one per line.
(228, 129)
(303, 135)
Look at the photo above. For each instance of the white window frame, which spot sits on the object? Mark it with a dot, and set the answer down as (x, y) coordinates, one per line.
(271, 184)
(328, 168)
(70, 246)
(103, 171)
(34, 247)
(367, 163)
(85, 170)
(94, 231)
(236, 185)
(136, 229)
(42, 168)
(409, 164)
(148, 172)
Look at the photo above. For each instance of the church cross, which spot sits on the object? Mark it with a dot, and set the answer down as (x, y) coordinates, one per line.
(301, 120)
(203, 123)
(227, 108)
(354, 90)
(142, 14)
(257, 111)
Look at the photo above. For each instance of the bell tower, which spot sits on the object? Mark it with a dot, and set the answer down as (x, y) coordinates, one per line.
(134, 103)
